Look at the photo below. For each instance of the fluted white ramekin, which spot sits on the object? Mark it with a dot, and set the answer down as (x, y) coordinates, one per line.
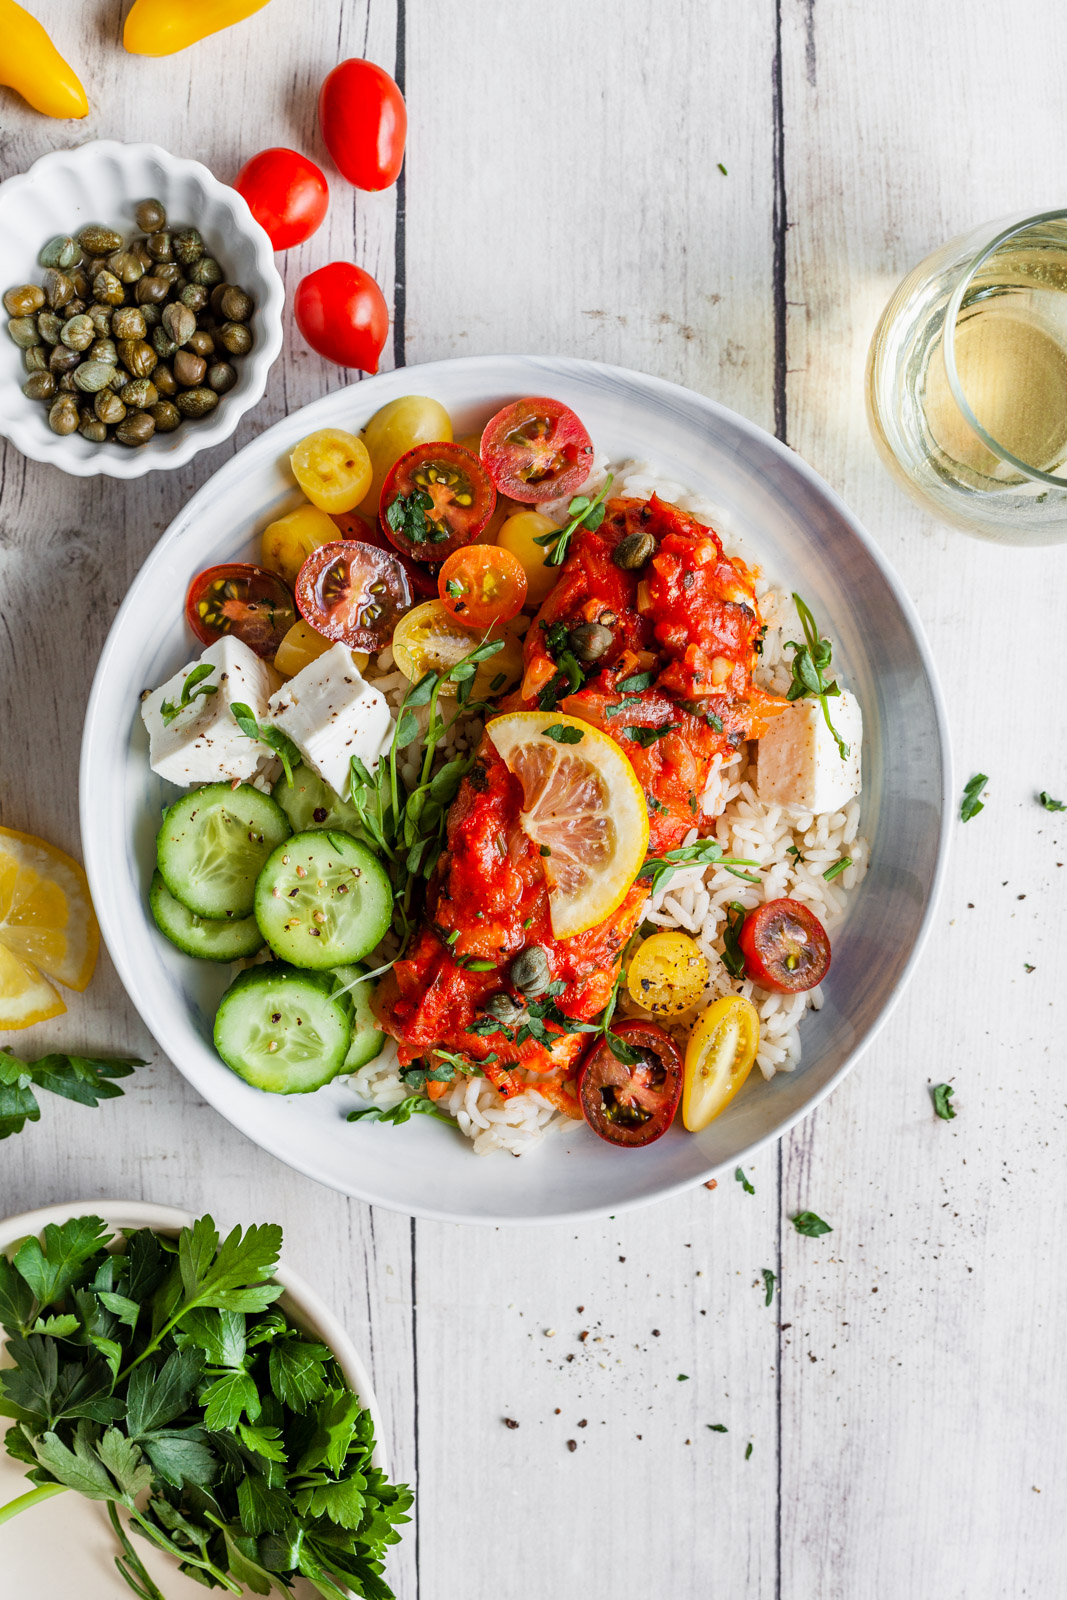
(102, 182)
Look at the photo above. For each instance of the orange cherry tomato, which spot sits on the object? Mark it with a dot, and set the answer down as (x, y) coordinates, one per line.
(482, 585)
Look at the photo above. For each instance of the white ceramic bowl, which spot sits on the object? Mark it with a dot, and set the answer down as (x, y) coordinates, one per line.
(66, 1546)
(102, 182)
(807, 540)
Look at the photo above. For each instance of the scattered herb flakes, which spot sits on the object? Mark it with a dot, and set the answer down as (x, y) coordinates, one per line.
(721, 168)
(1028, 968)
(739, 1175)
(748, 1449)
(810, 1225)
(970, 805)
(85, 1079)
(563, 733)
(942, 1097)
(717, 1427)
(636, 684)
(683, 1377)
(769, 1281)
(410, 1106)
(648, 736)
(838, 867)
(1049, 804)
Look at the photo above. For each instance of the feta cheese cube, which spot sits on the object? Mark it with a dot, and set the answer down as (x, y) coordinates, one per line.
(202, 743)
(331, 715)
(798, 762)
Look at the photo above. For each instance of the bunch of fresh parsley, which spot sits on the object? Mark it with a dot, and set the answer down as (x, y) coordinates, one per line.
(164, 1381)
(85, 1079)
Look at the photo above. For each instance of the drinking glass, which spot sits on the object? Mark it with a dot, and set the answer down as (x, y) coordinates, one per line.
(967, 381)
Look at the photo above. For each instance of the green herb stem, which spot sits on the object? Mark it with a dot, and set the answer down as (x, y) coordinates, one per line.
(35, 1497)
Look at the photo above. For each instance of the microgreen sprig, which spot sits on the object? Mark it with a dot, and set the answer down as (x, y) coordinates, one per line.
(194, 688)
(583, 513)
(702, 853)
(279, 742)
(810, 661)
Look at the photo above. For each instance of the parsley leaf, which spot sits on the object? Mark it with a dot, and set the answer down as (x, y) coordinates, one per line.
(733, 957)
(190, 692)
(703, 853)
(717, 1427)
(768, 1285)
(970, 805)
(636, 683)
(280, 743)
(739, 1174)
(84, 1079)
(810, 661)
(648, 736)
(563, 733)
(942, 1097)
(403, 1112)
(807, 1223)
(1049, 804)
(406, 515)
(583, 513)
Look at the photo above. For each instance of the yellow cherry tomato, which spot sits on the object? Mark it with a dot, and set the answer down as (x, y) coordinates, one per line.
(394, 430)
(430, 639)
(302, 645)
(285, 545)
(472, 442)
(333, 469)
(667, 974)
(722, 1048)
(518, 534)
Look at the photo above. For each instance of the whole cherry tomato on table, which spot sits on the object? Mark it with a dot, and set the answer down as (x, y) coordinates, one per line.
(342, 314)
(364, 123)
(286, 193)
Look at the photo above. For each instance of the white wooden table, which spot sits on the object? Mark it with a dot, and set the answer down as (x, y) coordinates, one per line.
(905, 1396)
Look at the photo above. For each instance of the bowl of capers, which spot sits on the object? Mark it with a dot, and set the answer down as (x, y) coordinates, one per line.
(142, 309)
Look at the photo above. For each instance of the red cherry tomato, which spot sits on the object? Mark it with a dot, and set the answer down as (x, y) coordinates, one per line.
(352, 592)
(342, 314)
(785, 946)
(251, 603)
(482, 585)
(536, 449)
(353, 526)
(435, 499)
(286, 193)
(364, 121)
(626, 1104)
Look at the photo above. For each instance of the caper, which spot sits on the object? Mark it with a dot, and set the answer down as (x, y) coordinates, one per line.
(24, 301)
(151, 315)
(166, 416)
(127, 322)
(188, 246)
(24, 331)
(103, 350)
(58, 289)
(179, 322)
(101, 319)
(159, 246)
(194, 295)
(150, 216)
(530, 972)
(63, 359)
(505, 1009)
(135, 429)
(82, 283)
(97, 241)
(66, 384)
(171, 274)
(196, 402)
(61, 252)
(151, 290)
(235, 338)
(35, 358)
(177, 285)
(91, 428)
(235, 305)
(188, 368)
(139, 394)
(93, 375)
(590, 641)
(49, 326)
(119, 378)
(108, 290)
(634, 551)
(164, 380)
(39, 386)
(201, 343)
(73, 308)
(162, 343)
(108, 407)
(78, 333)
(63, 414)
(221, 377)
(205, 273)
(137, 356)
(216, 297)
(127, 265)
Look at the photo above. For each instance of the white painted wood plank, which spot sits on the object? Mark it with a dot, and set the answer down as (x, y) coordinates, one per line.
(923, 1376)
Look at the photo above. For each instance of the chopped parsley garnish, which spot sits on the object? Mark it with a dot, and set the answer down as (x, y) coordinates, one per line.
(722, 169)
(280, 743)
(648, 736)
(810, 661)
(563, 733)
(717, 1427)
(190, 692)
(970, 805)
(411, 1105)
(838, 867)
(583, 513)
(942, 1097)
(636, 683)
(769, 1281)
(739, 1175)
(733, 957)
(703, 853)
(406, 515)
(1049, 804)
(748, 1449)
(683, 1377)
(810, 1225)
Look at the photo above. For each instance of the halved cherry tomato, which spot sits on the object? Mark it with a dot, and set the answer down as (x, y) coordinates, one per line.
(342, 314)
(353, 593)
(430, 639)
(286, 543)
(286, 193)
(353, 526)
(482, 585)
(632, 1105)
(333, 469)
(719, 1057)
(364, 121)
(247, 601)
(537, 449)
(436, 499)
(786, 947)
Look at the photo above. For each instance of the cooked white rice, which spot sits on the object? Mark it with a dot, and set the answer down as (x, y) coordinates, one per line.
(695, 899)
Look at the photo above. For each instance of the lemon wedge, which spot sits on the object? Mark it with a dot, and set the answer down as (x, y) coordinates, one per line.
(47, 926)
(583, 807)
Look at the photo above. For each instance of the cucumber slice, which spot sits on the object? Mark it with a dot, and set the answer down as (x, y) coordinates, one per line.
(212, 845)
(323, 900)
(210, 939)
(283, 1030)
(309, 803)
(367, 1037)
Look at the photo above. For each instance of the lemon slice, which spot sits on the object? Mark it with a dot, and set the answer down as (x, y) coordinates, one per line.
(47, 925)
(583, 806)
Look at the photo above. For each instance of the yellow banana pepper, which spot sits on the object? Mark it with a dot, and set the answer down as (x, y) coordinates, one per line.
(159, 27)
(32, 66)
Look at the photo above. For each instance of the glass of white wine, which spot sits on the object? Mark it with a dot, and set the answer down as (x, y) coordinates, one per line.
(967, 381)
